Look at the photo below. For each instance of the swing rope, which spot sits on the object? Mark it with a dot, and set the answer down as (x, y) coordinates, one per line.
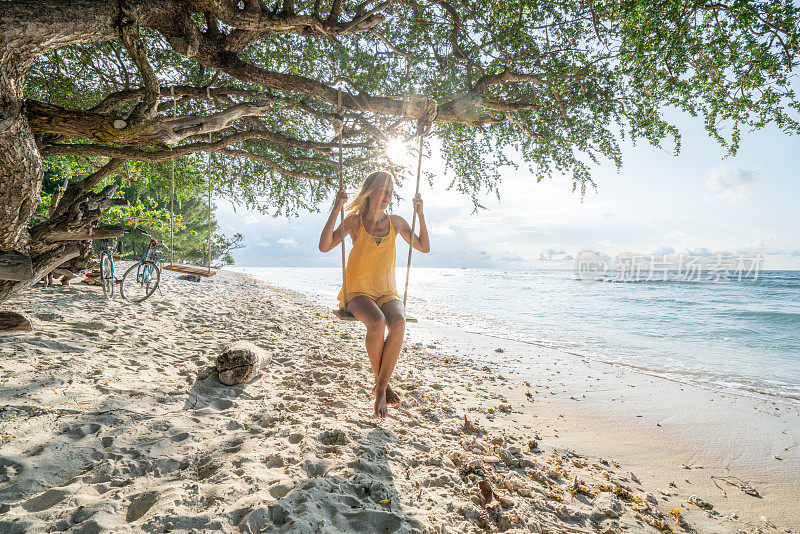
(338, 126)
(413, 221)
(423, 129)
(172, 186)
(208, 178)
(189, 269)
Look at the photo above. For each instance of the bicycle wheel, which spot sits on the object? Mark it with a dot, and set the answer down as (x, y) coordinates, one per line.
(140, 281)
(107, 275)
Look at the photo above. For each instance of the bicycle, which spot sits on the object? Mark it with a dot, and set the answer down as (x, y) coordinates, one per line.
(142, 278)
(107, 267)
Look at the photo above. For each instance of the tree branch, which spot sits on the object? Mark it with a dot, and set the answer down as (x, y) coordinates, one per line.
(104, 232)
(388, 43)
(503, 78)
(269, 162)
(76, 190)
(190, 148)
(336, 10)
(147, 109)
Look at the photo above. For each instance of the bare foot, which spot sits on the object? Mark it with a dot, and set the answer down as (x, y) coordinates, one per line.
(392, 398)
(380, 406)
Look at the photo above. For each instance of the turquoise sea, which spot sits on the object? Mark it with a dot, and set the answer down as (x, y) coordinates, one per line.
(732, 334)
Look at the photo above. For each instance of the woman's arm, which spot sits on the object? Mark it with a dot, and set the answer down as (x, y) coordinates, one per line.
(331, 237)
(421, 241)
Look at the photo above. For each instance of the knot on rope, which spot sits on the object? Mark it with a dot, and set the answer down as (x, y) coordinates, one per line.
(338, 117)
(410, 103)
(338, 123)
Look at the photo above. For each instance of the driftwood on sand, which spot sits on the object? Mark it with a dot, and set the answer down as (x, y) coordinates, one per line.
(15, 267)
(14, 322)
(240, 362)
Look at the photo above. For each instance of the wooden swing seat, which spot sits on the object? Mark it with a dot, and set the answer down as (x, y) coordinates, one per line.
(189, 269)
(347, 316)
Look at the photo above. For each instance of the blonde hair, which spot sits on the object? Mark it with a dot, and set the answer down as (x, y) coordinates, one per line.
(360, 204)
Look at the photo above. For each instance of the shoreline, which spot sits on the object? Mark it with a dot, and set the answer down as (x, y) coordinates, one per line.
(677, 375)
(108, 424)
(776, 468)
(600, 401)
(735, 384)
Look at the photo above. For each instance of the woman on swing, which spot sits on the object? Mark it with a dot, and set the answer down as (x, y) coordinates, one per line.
(371, 293)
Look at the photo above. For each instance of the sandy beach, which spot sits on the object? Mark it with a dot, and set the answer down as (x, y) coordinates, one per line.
(112, 421)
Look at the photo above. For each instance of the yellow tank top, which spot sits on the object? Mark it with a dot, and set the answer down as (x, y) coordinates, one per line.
(370, 267)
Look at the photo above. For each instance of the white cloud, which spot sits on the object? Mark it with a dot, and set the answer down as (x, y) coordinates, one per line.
(441, 229)
(250, 219)
(510, 258)
(675, 234)
(264, 244)
(731, 184)
(700, 251)
(605, 243)
(288, 242)
(664, 250)
(554, 253)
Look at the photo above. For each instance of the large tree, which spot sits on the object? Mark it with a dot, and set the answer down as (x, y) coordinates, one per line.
(257, 86)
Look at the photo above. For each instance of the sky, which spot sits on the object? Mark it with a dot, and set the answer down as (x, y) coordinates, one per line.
(658, 203)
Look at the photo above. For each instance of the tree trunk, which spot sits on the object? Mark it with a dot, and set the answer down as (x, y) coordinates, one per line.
(42, 266)
(21, 169)
(21, 174)
(29, 28)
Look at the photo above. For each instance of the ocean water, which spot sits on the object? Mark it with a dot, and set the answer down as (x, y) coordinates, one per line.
(731, 334)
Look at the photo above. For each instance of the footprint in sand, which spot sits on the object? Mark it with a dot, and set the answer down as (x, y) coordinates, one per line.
(86, 333)
(338, 501)
(36, 451)
(233, 446)
(316, 467)
(333, 437)
(81, 431)
(140, 505)
(161, 426)
(279, 490)
(46, 500)
(49, 316)
(9, 469)
(234, 425)
(222, 404)
(60, 347)
(177, 438)
(207, 468)
(91, 325)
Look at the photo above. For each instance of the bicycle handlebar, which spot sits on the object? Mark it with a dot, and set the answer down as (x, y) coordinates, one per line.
(153, 240)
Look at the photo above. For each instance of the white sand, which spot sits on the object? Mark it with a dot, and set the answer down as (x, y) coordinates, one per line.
(105, 425)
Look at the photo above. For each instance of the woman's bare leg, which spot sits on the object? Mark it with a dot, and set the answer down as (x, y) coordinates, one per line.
(395, 316)
(366, 310)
